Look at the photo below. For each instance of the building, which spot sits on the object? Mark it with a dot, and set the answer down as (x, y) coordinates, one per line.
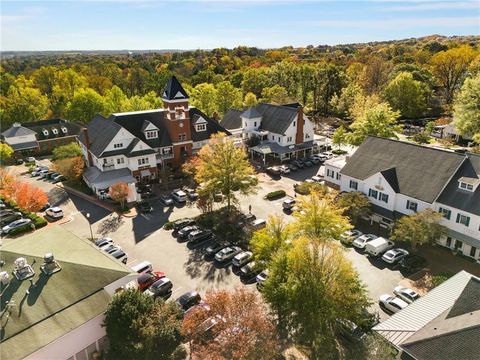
(40, 137)
(442, 325)
(140, 146)
(54, 309)
(401, 178)
(283, 132)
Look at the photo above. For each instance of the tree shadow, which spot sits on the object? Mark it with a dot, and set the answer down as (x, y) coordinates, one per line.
(58, 196)
(197, 268)
(144, 225)
(110, 224)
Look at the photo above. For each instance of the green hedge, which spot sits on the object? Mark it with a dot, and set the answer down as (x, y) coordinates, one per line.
(38, 221)
(339, 152)
(20, 230)
(275, 195)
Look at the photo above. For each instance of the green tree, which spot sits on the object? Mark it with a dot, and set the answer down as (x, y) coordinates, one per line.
(23, 104)
(339, 136)
(116, 100)
(467, 109)
(223, 167)
(275, 95)
(86, 103)
(406, 95)
(227, 96)
(250, 100)
(140, 328)
(66, 151)
(341, 104)
(420, 228)
(203, 97)
(379, 120)
(356, 205)
(6, 152)
(254, 80)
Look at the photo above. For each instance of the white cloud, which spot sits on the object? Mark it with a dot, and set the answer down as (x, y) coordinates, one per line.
(399, 22)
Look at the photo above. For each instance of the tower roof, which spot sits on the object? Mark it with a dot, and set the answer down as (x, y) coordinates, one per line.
(174, 90)
(250, 113)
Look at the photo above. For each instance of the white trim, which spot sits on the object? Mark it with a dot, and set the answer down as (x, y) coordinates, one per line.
(182, 142)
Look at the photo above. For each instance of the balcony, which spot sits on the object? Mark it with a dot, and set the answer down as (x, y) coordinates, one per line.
(161, 157)
(107, 167)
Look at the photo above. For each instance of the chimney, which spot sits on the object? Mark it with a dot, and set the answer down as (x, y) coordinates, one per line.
(87, 145)
(300, 123)
(215, 116)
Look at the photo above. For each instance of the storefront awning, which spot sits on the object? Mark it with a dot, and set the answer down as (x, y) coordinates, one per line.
(145, 173)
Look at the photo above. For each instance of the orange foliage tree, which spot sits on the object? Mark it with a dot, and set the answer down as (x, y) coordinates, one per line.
(71, 168)
(119, 193)
(243, 328)
(30, 198)
(7, 185)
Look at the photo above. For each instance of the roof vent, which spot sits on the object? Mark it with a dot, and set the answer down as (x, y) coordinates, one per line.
(50, 265)
(4, 278)
(45, 132)
(55, 131)
(16, 124)
(22, 270)
(64, 130)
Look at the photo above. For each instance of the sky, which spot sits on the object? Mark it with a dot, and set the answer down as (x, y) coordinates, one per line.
(207, 24)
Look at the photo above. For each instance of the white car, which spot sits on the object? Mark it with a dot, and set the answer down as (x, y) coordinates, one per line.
(54, 212)
(43, 173)
(406, 294)
(242, 259)
(328, 154)
(103, 241)
(393, 256)
(30, 159)
(361, 241)
(393, 304)
(227, 253)
(284, 169)
(317, 179)
(350, 235)
(260, 279)
(180, 196)
(16, 224)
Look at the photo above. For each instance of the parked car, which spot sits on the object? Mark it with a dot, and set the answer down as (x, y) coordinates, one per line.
(227, 254)
(160, 287)
(183, 233)
(39, 171)
(328, 154)
(215, 248)
(245, 219)
(111, 249)
(284, 169)
(192, 194)
(144, 190)
(307, 163)
(292, 167)
(30, 159)
(317, 179)
(189, 300)
(45, 207)
(242, 258)
(57, 178)
(146, 280)
(120, 255)
(261, 278)
(378, 246)
(349, 236)
(250, 270)
(273, 171)
(145, 207)
(19, 161)
(143, 267)
(362, 240)
(393, 304)
(52, 175)
(54, 212)
(298, 164)
(180, 224)
(412, 263)
(211, 327)
(7, 216)
(394, 255)
(166, 200)
(18, 224)
(103, 241)
(199, 236)
(179, 196)
(349, 330)
(406, 294)
(315, 160)
(288, 204)
(103, 195)
(43, 173)
(258, 224)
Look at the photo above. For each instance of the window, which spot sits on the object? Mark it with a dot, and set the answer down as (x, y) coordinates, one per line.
(473, 251)
(151, 134)
(353, 185)
(289, 139)
(182, 137)
(449, 242)
(120, 161)
(462, 219)
(201, 127)
(142, 161)
(294, 123)
(412, 205)
(331, 173)
(372, 193)
(167, 150)
(458, 245)
(338, 176)
(466, 186)
(255, 124)
(279, 138)
(307, 136)
(384, 197)
(55, 131)
(45, 132)
(118, 146)
(104, 161)
(445, 213)
(64, 130)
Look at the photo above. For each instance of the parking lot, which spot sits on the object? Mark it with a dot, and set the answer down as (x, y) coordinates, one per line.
(143, 237)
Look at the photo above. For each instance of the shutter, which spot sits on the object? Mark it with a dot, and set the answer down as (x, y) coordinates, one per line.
(468, 221)
(448, 214)
(408, 204)
(458, 218)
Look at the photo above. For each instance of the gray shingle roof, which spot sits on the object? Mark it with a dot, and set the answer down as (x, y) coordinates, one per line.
(250, 113)
(24, 146)
(276, 118)
(174, 90)
(213, 126)
(459, 198)
(17, 131)
(421, 172)
(101, 132)
(73, 129)
(231, 120)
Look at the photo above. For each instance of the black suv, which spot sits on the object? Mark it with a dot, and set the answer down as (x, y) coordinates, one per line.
(198, 236)
(180, 224)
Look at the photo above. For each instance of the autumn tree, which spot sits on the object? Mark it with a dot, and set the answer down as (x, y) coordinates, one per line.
(355, 205)
(30, 198)
(7, 184)
(275, 95)
(85, 104)
(339, 136)
(450, 67)
(203, 97)
(227, 96)
(420, 228)
(243, 328)
(66, 151)
(250, 100)
(140, 328)
(119, 192)
(223, 167)
(6, 152)
(71, 168)
(22, 104)
(467, 109)
(343, 102)
(406, 95)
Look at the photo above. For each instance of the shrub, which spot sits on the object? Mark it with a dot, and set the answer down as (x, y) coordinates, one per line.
(440, 278)
(20, 230)
(275, 195)
(169, 225)
(339, 152)
(306, 188)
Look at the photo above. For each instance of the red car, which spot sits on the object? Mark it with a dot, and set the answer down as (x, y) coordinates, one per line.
(145, 280)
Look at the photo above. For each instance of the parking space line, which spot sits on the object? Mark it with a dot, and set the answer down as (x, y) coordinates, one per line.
(173, 292)
(145, 216)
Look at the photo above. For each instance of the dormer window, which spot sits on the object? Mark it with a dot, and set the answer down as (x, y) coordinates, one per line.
(201, 127)
(45, 132)
(64, 130)
(118, 146)
(151, 134)
(468, 184)
(54, 131)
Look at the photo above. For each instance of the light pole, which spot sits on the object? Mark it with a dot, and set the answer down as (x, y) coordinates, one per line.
(89, 224)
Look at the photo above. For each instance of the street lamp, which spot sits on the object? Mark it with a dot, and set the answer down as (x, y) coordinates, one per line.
(88, 219)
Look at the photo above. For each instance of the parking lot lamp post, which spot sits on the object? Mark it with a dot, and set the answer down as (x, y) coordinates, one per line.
(88, 219)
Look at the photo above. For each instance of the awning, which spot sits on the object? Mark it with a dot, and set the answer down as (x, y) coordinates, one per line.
(273, 147)
(464, 238)
(145, 173)
(105, 179)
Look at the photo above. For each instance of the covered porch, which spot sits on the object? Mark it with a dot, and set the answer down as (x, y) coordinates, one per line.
(272, 153)
(101, 181)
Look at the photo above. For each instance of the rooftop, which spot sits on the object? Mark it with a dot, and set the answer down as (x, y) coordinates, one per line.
(44, 313)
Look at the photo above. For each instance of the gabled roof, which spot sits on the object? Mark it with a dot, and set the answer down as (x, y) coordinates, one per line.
(276, 118)
(174, 90)
(231, 120)
(17, 130)
(101, 132)
(421, 172)
(461, 199)
(148, 125)
(72, 128)
(391, 176)
(213, 126)
(250, 113)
